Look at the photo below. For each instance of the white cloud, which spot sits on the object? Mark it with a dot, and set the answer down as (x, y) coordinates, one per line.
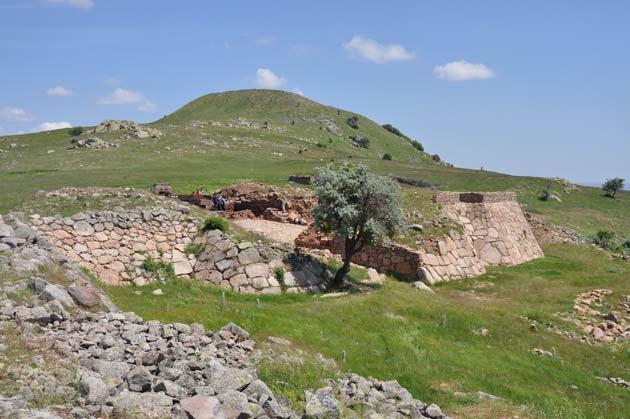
(81, 4)
(264, 40)
(267, 79)
(49, 126)
(59, 91)
(122, 96)
(11, 114)
(377, 52)
(463, 70)
(298, 91)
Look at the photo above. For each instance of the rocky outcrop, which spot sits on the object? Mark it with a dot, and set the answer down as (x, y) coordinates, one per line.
(92, 142)
(131, 129)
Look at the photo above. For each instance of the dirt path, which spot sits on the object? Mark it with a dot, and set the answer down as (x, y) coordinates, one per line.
(279, 232)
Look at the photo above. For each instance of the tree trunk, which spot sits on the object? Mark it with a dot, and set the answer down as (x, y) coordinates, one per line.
(343, 271)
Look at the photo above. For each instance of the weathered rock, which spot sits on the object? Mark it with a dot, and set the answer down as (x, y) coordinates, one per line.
(93, 389)
(421, 286)
(139, 379)
(148, 405)
(321, 404)
(59, 293)
(203, 407)
(85, 296)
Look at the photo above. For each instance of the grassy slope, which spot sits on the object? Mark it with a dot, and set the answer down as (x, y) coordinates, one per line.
(216, 156)
(425, 341)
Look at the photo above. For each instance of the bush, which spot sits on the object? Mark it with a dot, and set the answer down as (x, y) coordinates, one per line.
(604, 239)
(545, 194)
(436, 158)
(216, 223)
(279, 273)
(418, 146)
(387, 156)
(363, 142)
(76, 131)
(321, 145)
(194, 249)
(162, 271)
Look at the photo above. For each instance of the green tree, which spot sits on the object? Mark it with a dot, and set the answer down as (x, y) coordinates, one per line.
(611, 186)
(75, 131)
(356, 206)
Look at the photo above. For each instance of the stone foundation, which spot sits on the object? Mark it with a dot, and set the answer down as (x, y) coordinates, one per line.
(494, 232)
(113, 244)
(253, 267)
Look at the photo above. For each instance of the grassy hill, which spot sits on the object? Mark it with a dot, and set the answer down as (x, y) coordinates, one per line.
(219, 139)
(430, 343)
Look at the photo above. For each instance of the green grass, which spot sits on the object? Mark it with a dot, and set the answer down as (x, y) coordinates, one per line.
(428, 342)
(189, 156)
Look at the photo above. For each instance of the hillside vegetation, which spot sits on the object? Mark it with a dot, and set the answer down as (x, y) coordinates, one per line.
(219, 139)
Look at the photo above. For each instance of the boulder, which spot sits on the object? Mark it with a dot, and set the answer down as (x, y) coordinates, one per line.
(83, 228)
(139, 379)
(87, 297)
(203, 407)
(59, 293)
(248, 256)
(6, 231)
(236, 330)
(321, 404)
(145, 405)
(235, 404)
(421, 286)
(93, 389)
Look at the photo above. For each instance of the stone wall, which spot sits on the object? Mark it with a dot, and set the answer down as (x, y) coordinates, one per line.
(494, 232)
(113, 244)
(496, 224)
(251, 267)
(453, 257)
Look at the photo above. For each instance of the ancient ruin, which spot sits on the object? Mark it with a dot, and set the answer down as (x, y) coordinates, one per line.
(68, 351)
(117, 245)
(494, 232)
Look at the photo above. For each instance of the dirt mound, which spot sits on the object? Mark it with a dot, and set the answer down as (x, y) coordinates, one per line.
(267, 202)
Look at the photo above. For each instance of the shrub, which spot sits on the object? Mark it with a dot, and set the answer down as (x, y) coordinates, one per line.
(418, 146)
(363, 142)
(436, 158)
(387, 156)
(216, 223)
(279, 273)
(545, 194)
(162, 271)
(604, 239)
(76, 131)
(194, 249)
(321, 145)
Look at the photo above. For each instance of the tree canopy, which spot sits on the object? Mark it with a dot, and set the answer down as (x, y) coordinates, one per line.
(611, 186)
(357, 206)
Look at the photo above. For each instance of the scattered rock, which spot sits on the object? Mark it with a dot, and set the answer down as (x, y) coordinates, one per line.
(421, 286)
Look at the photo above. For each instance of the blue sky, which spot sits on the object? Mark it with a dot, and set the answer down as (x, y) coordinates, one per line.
(535, 88)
